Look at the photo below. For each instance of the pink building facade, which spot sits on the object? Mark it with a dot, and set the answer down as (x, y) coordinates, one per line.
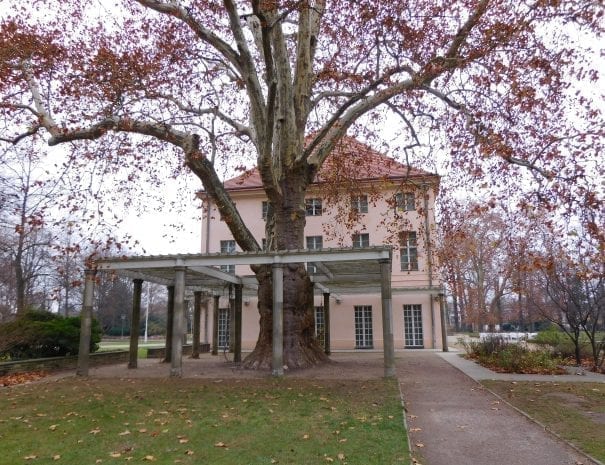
(381, 202)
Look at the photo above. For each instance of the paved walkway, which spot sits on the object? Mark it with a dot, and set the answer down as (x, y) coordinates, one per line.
(452, 420)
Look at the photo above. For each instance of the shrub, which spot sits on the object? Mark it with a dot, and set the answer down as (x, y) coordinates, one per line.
(561, 344)
(495, 353)
(44, 334)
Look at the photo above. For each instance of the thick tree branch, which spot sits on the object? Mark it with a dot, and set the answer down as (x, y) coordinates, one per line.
(308, 31)
(248, 72)
(195, 160)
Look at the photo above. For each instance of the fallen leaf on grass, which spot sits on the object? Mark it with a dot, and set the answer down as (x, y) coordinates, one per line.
(115, 455)
(56, 457)
(220, 444)
(52, 427)
(305, 436)
(124, 433)
(95, 431)
(149, 458)
(30, 457)
(189, 452)
(341, 456)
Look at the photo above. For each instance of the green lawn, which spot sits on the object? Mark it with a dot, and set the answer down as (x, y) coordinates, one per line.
(575, 411)
(186, 421)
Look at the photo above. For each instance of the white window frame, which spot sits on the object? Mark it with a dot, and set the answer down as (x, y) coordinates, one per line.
(313, 243)
(320, 325)
(360, 240)
(359, 203)
(412, 326)
(408, 248)
(223, 328)
(227, 247)
(405, 201)
(364, 333)
(313, 206)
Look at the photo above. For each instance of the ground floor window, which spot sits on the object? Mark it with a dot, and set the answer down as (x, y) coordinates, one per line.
(412, 322)
(320, 325)
(224, 327)
(363, 327)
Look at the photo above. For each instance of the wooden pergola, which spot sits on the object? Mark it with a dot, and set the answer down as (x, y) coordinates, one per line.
(337, 271)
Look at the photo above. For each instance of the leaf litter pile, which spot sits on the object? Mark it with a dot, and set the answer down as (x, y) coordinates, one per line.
(101, 421)
(21, 378)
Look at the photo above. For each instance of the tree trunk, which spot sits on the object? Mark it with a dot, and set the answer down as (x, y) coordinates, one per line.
(285, 231)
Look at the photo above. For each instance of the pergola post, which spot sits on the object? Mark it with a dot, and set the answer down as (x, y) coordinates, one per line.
(215, 325)
(444, 346)
(205, 305)
(277, 364)
(135, 320)
(387, 318)
(327, 323)
(86, 323)
(197, 310)
(237, 324)
(185, 321)
(176, 362)
(169, 325)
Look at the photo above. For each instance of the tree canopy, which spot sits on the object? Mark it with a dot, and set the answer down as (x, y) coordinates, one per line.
(497, 86)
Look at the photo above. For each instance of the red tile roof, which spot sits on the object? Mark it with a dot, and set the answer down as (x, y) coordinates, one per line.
(351, 160)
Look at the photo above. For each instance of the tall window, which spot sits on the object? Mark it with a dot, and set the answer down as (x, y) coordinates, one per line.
(363, 327)
(313, 207)
(320, 325)
(359, 203)
(409, 251)
(224, 328)
(361, 240)
(228, 247)
(412, 325)
(313, 243)
(405, 201)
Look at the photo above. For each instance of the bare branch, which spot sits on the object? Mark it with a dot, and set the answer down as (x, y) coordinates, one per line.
(15, 140)
(240, 128)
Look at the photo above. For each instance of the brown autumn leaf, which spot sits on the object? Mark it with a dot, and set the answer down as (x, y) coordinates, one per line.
(149, 458)
(340, 456)
(52, 427)
(115, 454)
(189, 452)
(220, 444)
(415, 430)
(95, 431)
(30, 457)
(419, 445)
(56, 457)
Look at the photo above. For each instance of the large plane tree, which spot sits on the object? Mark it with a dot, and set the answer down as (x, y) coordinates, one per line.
(127, 84)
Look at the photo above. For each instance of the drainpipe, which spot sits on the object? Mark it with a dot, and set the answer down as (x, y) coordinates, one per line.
(429, 262)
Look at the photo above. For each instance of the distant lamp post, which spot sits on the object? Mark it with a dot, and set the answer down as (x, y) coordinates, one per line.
(123, 317)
